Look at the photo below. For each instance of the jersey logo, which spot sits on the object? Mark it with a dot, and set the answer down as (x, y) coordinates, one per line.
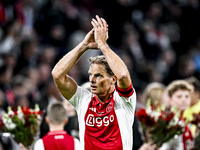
(58, 137)
(99, 121)
(109, 107)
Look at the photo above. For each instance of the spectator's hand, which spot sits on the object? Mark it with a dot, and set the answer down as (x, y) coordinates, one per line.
(100, 30)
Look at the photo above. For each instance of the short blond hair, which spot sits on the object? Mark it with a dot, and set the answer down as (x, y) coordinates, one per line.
(179, 85)
(56, 113)
(154, 92)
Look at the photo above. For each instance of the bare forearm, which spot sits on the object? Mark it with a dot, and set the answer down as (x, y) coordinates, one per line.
(66, 85)
(117, 65)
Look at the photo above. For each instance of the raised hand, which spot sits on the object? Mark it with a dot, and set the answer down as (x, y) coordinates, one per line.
(89, 41)
(100, 30)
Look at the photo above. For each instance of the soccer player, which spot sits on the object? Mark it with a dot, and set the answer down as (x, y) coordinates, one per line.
(57, 138)
(105, 114)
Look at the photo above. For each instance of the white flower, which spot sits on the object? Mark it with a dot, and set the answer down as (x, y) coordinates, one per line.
(174, 109)
(149, 110)
(20, 114)
(5, 117)
(5, 120)
(8, 121)
(173, 122)
(10, 112)
(181, 123)
(10, 126)
(37, 108)
(155, 114)
(39, 117)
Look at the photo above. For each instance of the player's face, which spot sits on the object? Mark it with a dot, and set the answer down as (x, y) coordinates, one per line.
(100, 80)
(181, 99)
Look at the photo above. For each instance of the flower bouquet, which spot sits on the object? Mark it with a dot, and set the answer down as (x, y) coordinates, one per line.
(196, 121)
(22, 124)
(160, 123)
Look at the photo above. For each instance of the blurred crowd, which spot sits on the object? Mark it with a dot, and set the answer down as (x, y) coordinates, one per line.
(159, 40)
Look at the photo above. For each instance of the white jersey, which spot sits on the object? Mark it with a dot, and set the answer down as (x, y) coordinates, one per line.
(99, 124)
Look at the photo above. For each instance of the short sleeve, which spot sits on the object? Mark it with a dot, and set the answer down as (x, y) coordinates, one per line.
(38, 145)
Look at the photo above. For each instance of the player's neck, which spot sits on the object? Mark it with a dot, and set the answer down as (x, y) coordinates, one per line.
(53, 127)
(104, 98)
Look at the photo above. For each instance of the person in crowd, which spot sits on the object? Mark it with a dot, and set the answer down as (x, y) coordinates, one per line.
(195, 98)
(5, 83)
(179, 92)
(106, 114)
(27, 57)
(195, 102)
(154, 92)
(57, 138)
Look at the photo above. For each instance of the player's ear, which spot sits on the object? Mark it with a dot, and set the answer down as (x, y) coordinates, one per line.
(66, 120)
(47, 119)
(113, 79)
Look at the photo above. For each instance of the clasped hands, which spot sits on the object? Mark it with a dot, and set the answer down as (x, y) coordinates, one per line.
(98, 35)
